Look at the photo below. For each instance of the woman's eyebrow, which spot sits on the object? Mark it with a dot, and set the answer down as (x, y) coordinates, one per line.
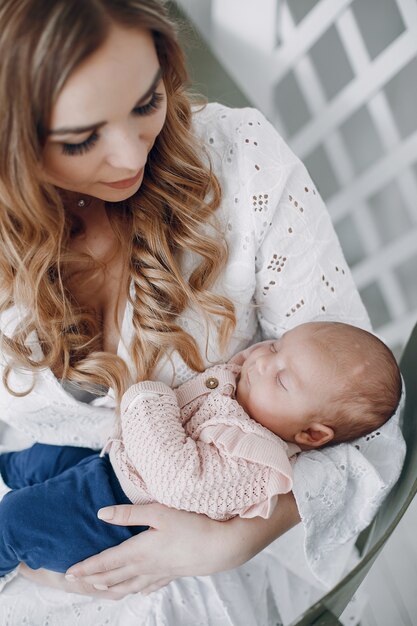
(76, 130)
(79, 130)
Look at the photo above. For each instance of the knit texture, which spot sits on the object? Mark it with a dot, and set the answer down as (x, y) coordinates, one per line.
(196, 449)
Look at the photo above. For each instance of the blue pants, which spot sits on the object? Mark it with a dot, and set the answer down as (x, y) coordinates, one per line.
(50, 520)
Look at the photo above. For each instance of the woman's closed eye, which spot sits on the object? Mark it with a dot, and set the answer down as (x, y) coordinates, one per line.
(80, 148)
(83, 147)
(151, 106)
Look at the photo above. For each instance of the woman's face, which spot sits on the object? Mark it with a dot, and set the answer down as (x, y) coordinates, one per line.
(106, 119)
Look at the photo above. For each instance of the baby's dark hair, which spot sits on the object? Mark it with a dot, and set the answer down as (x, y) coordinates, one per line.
(370, 381)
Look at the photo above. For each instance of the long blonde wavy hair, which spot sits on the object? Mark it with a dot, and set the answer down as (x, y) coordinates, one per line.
(41, 43)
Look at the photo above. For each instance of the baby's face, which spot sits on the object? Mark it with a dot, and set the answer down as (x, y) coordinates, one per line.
(285, 382)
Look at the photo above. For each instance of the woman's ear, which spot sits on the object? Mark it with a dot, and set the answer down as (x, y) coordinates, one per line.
(315, 435)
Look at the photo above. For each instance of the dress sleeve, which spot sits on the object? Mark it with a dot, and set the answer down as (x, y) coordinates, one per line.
(301, 275)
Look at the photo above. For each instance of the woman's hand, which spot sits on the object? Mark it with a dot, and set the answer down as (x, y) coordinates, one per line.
(58, 581)
(178, 543)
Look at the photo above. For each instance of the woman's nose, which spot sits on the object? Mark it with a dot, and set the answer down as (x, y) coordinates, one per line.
(128, 152)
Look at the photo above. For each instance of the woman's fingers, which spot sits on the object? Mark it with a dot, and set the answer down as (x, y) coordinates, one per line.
(122, 515)
(171, 547)
(113, 577)
(133, 514)
(56, 580)
(121, 582)
(140, 584)
(119, 556)
(106, 561)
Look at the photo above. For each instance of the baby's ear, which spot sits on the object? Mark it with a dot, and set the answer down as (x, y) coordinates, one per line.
(315, 435)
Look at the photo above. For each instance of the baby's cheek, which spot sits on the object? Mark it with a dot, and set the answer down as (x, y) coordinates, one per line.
(256, 405)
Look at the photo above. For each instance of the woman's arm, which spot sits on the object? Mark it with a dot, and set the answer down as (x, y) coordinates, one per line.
(178, 544)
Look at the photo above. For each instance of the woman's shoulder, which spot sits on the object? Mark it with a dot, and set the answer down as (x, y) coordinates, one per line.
(220, 113)
(218, 119)
(242, 144)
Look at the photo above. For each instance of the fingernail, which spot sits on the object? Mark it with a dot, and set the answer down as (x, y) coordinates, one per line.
(100, 587)
(106, 514)
(70, 578)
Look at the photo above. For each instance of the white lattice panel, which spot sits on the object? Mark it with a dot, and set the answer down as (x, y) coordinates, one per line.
(340, 85)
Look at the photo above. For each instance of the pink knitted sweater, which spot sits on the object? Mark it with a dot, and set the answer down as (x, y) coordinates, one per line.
(194, 448)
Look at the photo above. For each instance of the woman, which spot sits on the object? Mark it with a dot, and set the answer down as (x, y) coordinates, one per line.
(141, 240)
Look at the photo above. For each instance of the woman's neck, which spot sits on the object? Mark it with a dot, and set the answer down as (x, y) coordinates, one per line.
(83, 206)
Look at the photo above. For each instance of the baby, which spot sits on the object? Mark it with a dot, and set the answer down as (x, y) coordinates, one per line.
(221, 444)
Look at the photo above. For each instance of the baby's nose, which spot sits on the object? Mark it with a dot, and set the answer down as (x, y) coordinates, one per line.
(263, 363)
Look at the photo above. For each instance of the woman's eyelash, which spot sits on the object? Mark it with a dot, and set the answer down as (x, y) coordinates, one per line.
(85, 146)
(151, 106)
(80, 148)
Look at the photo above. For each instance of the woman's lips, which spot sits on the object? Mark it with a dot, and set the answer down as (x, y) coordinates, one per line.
(128, 182)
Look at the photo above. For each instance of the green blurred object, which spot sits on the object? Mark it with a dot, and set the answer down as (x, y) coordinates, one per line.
(329, 608)
(208, 77)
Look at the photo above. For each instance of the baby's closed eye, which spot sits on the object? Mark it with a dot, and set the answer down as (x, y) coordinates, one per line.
(280, 381)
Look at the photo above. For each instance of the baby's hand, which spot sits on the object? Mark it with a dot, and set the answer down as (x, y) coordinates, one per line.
(238, 358)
